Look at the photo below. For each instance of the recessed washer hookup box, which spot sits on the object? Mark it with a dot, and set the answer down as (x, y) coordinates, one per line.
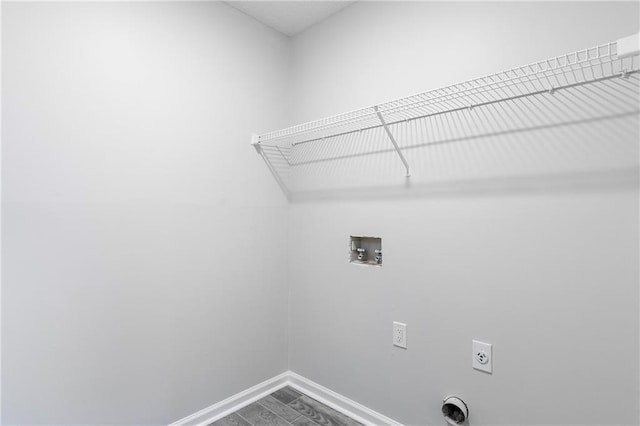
(365, 250)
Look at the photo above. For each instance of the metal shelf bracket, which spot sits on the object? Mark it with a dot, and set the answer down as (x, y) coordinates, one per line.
(393, 140)
(255, 142)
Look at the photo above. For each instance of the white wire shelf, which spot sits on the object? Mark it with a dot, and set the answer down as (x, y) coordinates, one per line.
(581, 87)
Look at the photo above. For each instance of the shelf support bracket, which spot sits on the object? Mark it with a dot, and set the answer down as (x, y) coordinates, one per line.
(255, 142)
(393, 140)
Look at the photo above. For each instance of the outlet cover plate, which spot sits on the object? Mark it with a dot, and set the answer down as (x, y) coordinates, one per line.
(482, 356)
(400, 335)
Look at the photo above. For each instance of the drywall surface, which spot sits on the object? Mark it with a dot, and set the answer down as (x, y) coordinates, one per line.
(143, 244)
(548, 274)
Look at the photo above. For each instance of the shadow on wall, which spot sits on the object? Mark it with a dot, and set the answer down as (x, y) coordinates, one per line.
(582, 137)
(558, 183)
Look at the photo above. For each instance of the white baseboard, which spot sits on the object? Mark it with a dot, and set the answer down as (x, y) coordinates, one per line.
(233, 403)
(334, 400)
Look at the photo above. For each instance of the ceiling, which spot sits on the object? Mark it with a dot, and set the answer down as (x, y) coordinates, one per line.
(289, 17)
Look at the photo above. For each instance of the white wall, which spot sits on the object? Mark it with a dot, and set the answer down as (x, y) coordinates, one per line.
(546, 276)
(143, 249)
(139, 227)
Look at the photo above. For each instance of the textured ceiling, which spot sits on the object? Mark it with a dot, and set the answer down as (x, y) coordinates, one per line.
(289, 17)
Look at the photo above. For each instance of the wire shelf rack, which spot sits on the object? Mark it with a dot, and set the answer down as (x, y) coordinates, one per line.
(587, 86)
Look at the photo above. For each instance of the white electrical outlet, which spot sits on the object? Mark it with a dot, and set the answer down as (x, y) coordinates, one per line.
(400, 335)
(482, 356)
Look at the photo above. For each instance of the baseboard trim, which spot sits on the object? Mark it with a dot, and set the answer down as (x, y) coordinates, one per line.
(333, 399)
(227, 406)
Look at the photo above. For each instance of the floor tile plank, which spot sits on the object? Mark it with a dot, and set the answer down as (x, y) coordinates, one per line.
(232, 419)
(303, 421)
(257, 415)
(286, 394)
(279, 408)
(320, 413)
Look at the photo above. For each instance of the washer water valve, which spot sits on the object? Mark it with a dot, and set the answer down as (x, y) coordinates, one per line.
(361, 254)
(378, 257)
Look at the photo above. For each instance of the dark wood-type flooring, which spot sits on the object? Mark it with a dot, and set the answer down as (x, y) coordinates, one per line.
(286, 407)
